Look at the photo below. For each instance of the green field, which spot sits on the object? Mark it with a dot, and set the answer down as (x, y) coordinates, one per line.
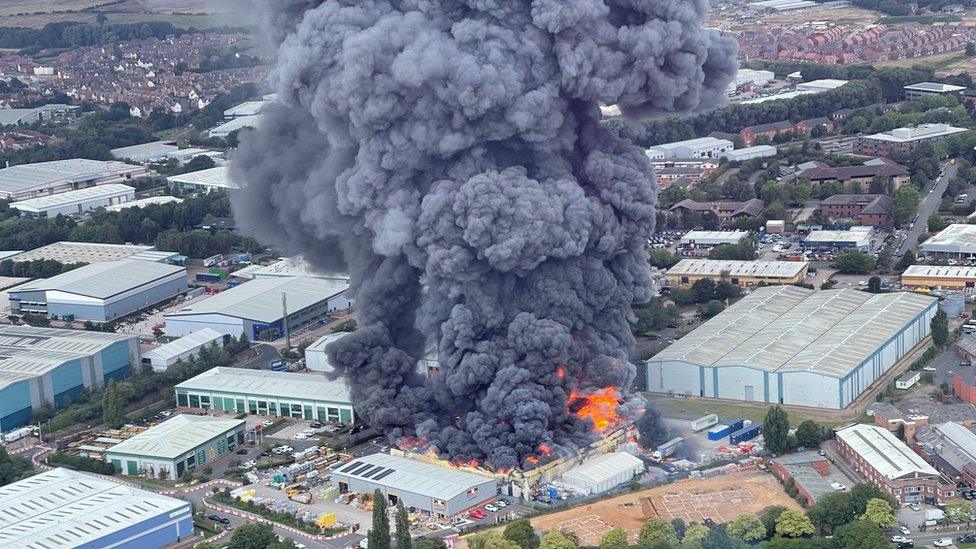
(692, 408)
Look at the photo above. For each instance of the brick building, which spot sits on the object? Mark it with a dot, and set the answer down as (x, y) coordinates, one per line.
(807, 470)
(771, 130)
(950, 448)
(903, 140)
(868, 209)
(857, 179)
(892, 466)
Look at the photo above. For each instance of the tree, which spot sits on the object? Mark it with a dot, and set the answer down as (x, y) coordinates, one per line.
(554, 539)
(776, 427)
(860, 534)
(769, 516)
(662, 259)
(704, 289)
(936, 223)
(252, 535)
(906, 203)
(403, 539)
(879, 513)
(940, 328)
(12, 468)
(718, 538)
(809, 434)
(379, 533)
(874, 284)
(614, 539)
(657, 531)
(863, 492)
(832, 510)
(907, 260)
(429, 543)
(958, 511)
(489, 540)
(113, 406)
(522, 533)
(710, 309)
(855, 261)
(747, 527)
(694, 536)
(793, 524)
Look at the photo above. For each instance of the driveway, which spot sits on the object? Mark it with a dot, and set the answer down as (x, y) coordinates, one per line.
(260, 357)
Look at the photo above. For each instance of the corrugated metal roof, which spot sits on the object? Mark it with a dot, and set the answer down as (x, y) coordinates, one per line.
(26, 176)
(260, 300)
(602, 468)
(412, 476)
(934, 271)
(714, 267)
(149, 201)
(789, 329)
(286, 385)
(104, 280)
(29, 351)
(175, 436)
(888, 455)
(44, 203)
(185, 344)
(218, 177)
(956, 238)
(81, 252)
(63, 508)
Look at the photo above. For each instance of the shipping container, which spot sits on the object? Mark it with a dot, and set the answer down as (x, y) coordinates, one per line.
(746, 433)
(194, 292)
(735, 425)
(207, 277)
(704, 422)
(718, 432)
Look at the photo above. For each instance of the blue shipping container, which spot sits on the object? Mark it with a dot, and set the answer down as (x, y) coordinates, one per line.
(734, 425)
(748, 433)
(553, 493)
(207, 277)
(718, 432)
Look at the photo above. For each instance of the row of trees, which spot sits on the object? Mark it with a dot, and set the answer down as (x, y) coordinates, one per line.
(13, 468)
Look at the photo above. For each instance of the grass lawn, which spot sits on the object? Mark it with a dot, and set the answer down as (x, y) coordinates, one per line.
(694, 408)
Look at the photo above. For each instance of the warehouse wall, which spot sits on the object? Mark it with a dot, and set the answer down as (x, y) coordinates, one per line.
(87, 205)
(159, 531)
(15, 405)
(810, 389)
(675, 376)
(19, 302)
(147, 297)
(185, 324)
(117, 360)
(64, 383)
(483, 492)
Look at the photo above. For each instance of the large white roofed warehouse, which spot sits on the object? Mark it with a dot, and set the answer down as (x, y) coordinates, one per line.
(790, 345)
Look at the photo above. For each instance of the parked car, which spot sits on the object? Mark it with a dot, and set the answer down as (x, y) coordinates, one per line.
(241, 452)
(967, 538)
(943, 542)
(501, 503)
(904, 530)
(218, 518)
(477, 514)
(315, 425)
(250, 464)
(491, 508)
(899, 539)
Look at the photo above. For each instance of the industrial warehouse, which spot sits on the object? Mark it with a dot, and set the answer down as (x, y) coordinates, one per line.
(933, 276)
(740, 273)
(75, 202)
(67, 252)
(45, 178)
(101, 291)
(49, 366)
(65, 508)
(954, 241)
(790, 345)
(289, 394)
(203, 181)
(188, 346)
(177, 445)
(423, 487)
(255, 308)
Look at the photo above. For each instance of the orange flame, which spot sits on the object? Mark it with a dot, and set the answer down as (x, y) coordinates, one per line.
(545, 450)
(473, 463)
(560, 372)
(600, 406)
(532, 459)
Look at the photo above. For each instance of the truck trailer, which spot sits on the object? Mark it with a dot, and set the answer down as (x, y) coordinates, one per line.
(704, 422)
(718, 432)
(667, 449)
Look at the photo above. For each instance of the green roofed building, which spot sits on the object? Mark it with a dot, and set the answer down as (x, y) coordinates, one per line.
(265, 392)
(176, 446)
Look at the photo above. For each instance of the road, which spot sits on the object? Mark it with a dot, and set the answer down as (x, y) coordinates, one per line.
(263, 356)
(930, 204)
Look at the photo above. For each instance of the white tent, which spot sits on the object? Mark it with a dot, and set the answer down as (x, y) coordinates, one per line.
(602, 473)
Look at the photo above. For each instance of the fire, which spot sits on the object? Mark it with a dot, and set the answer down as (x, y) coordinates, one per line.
(560, 372)
(472, 463)
(545, 450)
(532, 459)
(600, 406)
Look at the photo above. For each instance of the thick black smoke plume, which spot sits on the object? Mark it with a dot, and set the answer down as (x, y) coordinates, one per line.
(448, 155)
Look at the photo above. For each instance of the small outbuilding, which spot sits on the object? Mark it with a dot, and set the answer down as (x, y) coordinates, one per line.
(602, 473)
(908, 379)
(183, 348)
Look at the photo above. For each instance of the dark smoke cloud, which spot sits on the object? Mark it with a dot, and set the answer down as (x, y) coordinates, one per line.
(449, 156)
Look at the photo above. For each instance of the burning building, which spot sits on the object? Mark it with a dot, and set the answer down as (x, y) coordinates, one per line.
(449, 156)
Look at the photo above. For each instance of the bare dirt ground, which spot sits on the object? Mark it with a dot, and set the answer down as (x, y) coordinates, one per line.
(22, 7)
(718, 498)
